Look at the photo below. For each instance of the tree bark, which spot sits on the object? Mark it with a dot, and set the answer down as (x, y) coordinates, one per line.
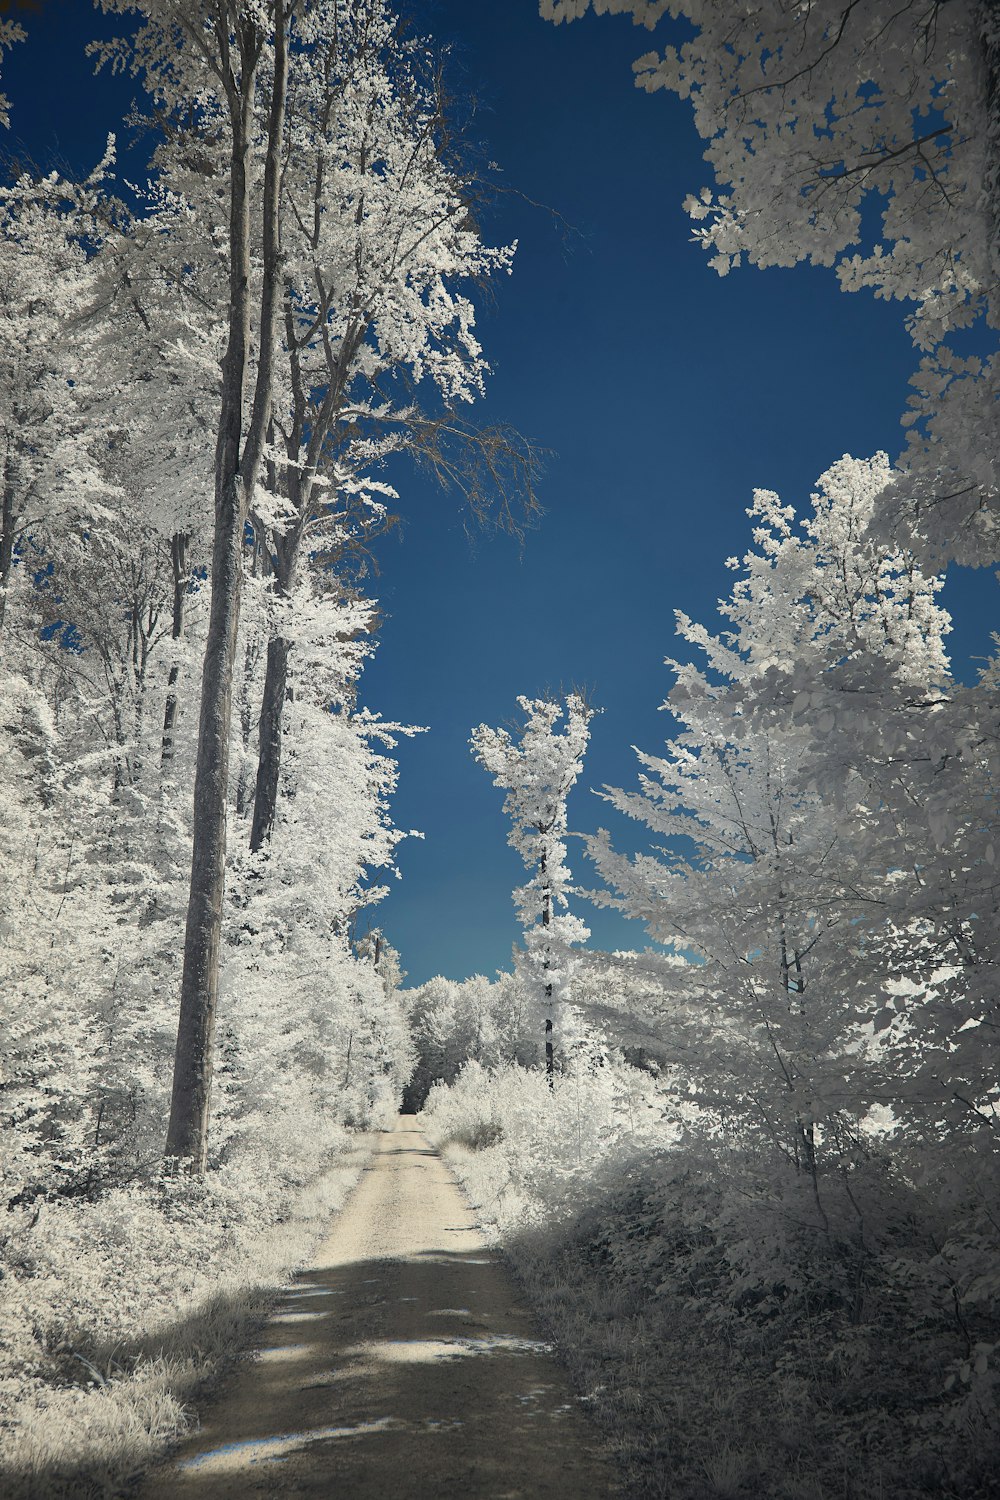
(250, 658)
(178, 559)
(187, 1133)
(989, 28)
(238, 464)
(265, 802)
(6, 534)
(550, 1060)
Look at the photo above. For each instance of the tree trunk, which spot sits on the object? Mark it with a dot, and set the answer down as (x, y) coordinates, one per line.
(272, 709)
(989, 28)
(237, 467)
(250, 659)
(550, 1060)
(6, 535)
(178, 559)
(187, 1133)
(275, 695)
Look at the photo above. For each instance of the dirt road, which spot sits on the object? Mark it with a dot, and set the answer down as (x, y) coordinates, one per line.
(401, 1364)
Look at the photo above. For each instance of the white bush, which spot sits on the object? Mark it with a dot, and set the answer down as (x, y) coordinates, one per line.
(526, 1151)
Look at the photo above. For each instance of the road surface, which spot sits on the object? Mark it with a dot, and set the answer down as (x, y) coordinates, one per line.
(400, 1366)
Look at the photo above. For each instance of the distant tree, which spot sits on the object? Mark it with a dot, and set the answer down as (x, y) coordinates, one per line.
(454, 1022)
(538, 769)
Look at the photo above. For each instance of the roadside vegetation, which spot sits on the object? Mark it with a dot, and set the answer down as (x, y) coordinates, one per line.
(729, 1344)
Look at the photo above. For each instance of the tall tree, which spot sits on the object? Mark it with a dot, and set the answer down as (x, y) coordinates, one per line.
(345, 229)
(865, 137)
(228, 62)
(777, 879)
(378, 331)
(538, 770)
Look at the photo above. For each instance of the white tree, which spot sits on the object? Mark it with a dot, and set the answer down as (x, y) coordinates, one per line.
(160, 335)
(538, 769)
(46, 369)
(379, 249)
(864, 136)
(774, 876)
(10, 33)
(229, 66)
(303, 147)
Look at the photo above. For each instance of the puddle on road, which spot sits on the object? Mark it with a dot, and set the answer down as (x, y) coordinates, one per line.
(284, 1351)
(329, 1377)
(423, 1351)
(274, 1449)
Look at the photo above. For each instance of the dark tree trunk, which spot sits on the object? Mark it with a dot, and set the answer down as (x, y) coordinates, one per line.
(265, 802)
(178, 560)
(281, 564)
(250, 659)
(989, 27)
(550, 1059)
(237, 466)
(187, 1135)
(6, 535)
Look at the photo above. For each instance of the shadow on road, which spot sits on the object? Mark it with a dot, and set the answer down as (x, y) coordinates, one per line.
(384, 1377)
(402, 1363)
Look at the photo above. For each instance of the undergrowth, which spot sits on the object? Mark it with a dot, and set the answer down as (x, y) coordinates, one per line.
(115, 1315)
(733, 1345)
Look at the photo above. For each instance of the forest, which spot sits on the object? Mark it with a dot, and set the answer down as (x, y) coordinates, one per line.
(746, 1172)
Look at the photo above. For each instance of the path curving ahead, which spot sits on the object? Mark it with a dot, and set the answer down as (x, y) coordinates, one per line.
(400, 1364)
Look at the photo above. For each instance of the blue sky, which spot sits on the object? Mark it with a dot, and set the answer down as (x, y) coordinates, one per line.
(664, 393)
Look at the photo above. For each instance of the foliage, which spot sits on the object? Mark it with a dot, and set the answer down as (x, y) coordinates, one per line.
(770, 1155)
(811, 1193)
(729, 1347)
(538, 771)
(532, 1144)
(776, 876)
(864, 137)
(116, 1314)
(476, 1020)
(115, 322)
